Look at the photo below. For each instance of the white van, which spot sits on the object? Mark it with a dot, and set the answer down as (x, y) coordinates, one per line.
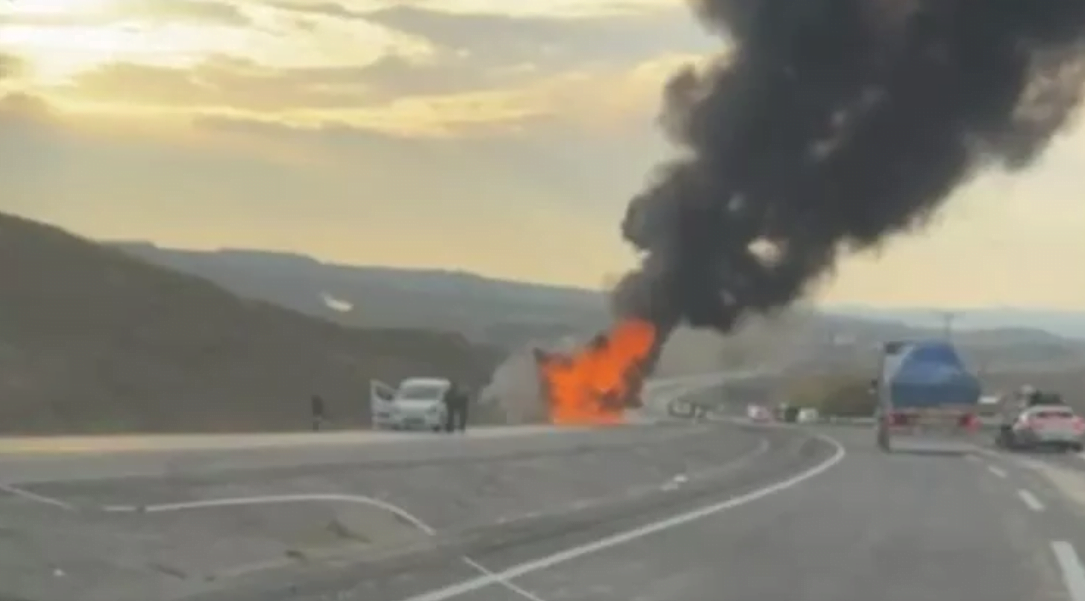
(416, 404)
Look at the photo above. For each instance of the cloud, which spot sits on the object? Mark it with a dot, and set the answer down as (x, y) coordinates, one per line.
(346, 192)
(400, 68)
(392, 95)
(326, 9)
(10, 66)
(238, 83)
(182, 10)
(550, 42)
(358, 9)
(173, 11)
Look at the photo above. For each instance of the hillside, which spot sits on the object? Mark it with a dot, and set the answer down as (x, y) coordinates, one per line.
(1010, 346)
(1065, 323)
(94, 340)
(506, 314)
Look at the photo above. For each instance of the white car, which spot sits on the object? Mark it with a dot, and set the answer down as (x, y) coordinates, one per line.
(416, 404)
(758, 413)
(1052, 426)
(808, 415)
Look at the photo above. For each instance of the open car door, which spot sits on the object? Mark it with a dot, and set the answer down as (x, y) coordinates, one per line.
(380, 403)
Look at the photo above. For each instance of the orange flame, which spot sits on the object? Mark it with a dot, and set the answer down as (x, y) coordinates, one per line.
(596, 385)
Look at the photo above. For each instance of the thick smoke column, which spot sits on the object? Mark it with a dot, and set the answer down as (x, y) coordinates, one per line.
(828, 126)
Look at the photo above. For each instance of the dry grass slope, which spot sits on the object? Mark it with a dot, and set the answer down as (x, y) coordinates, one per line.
(93, 340)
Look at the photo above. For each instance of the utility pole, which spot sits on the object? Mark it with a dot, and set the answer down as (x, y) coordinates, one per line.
(947, 323)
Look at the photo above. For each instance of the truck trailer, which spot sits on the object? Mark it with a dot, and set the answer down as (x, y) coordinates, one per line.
(924, 387)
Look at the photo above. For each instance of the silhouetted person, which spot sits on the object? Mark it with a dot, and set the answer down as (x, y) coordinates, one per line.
(456, 402)
(317, 409)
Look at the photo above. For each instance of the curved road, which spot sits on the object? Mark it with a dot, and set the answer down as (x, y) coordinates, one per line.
(646, 513)
(820, 516)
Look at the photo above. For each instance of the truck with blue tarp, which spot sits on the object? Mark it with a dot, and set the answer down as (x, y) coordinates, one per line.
(924, 386)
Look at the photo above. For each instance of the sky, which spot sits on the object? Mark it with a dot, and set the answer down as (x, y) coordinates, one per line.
(503, 137)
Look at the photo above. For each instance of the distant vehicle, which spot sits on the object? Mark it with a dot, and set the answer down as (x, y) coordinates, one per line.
(787, 413)
(808, 415)
(1033, 419)
(924, 387)
(758, 413)
(416, 404)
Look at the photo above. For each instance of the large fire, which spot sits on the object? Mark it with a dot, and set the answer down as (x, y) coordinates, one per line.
(596, 384)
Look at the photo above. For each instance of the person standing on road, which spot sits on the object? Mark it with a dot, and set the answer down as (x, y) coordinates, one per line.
(455, 409)
(316, 407)
(465, 404)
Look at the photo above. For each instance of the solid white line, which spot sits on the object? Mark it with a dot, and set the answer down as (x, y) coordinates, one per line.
(503, 581)
(997, 471)
(26, 494)
(548, 561)
(302, 498)
(1072, 572)
(273, 499)
(1030, 500)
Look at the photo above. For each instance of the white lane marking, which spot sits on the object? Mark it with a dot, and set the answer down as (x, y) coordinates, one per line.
(1072, 572)
(403, 514)
(271, 499)
(512, 586)
(997, 471)
(26, 494)
(14, 445)
(679, 480)
(1030, 500)
(560, 557)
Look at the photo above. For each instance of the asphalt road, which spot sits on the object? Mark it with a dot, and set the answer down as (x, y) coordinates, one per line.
(647, 513)
(812, 518)
(168, 523)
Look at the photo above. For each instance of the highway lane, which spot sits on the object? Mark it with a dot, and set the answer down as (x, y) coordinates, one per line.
(644, 513)
(86, 458)
(145, 525)
(848, 526)
(52, 458)
(777, 457)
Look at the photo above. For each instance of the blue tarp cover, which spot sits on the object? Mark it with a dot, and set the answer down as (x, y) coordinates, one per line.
(930, 374)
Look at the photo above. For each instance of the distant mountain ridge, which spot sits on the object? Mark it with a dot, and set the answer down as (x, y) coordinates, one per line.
(1061, 323)
(484, 309)
(294, 279)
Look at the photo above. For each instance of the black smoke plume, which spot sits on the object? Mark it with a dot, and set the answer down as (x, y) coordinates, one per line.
(829, 125)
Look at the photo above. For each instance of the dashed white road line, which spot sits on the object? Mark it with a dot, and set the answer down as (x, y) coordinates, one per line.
(26, 494)
(1073, 574)
(1001, 473)
(542, 563)
(1030, 500)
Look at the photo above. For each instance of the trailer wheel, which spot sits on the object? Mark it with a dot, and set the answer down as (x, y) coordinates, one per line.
(883, 438)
